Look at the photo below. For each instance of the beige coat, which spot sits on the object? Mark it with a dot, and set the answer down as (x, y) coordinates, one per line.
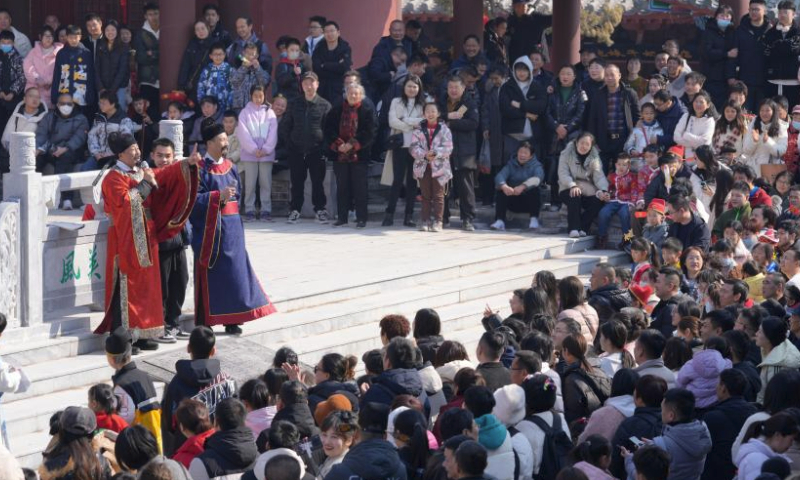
(589, 176)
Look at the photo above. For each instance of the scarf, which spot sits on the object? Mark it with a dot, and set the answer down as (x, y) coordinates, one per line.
(348, 127)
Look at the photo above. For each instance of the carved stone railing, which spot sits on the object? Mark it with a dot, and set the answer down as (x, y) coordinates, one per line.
(10, 263)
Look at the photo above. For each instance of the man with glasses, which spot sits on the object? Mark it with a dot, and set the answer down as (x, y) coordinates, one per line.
(669, 111)
(315, 34)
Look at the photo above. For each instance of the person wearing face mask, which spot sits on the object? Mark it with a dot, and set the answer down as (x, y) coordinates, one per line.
(38, 65)
(12, 77)
(781, 51)
(290, 70)
(60, 141)
(717, 36)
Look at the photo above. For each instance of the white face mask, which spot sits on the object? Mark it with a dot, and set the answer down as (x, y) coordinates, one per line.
(294, 55)
(65, 110)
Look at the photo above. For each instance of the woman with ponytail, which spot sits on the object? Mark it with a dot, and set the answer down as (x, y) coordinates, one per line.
(593, 456)
(333, 373)
(764, 440)
(411, 438)
(613, 336)
(586, 387)
(104, 404)
(256, 398)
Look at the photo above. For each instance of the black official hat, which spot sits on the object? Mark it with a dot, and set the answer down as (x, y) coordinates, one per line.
(119, 142)
(119, 342)
(212, 130)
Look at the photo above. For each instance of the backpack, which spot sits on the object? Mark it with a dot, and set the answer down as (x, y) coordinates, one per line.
(555, 450)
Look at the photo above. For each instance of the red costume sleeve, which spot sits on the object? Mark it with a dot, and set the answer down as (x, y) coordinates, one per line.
(125, 206)
(174, 199)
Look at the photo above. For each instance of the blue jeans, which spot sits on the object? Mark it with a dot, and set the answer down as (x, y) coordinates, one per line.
(122, 97)
(608, 211)
(89, 165)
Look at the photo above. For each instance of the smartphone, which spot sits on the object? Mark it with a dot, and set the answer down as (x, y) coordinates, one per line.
(635, 443)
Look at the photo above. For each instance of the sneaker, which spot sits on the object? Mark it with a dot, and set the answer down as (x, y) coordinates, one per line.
(233, 329)
(294, 217)
(534, 223)
(67, 205)
(574, 234)
(583, 234)
(168, 337)
(554, 208)
(361, 224)
(339, 223)
(266, 217)
(180, 334)
(423, 227)
(135, 350)
(322, 216)
(467, 226)
(249, 217)
(498, 225)
(436, 227)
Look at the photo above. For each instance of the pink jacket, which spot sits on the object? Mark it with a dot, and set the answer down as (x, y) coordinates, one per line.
(700, 375)
(592, 472)
(38, 67)
(257, 129)
(606, 419)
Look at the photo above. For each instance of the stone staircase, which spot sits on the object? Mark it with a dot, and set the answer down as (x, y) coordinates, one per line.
(314, 318)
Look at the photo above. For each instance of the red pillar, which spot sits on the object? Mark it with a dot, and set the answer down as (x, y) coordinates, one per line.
(740, 8)
(174, 35)
(566, 33)
(467, 19)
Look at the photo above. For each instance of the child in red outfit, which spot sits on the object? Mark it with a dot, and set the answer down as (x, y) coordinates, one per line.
(103, 403)
(622, 197)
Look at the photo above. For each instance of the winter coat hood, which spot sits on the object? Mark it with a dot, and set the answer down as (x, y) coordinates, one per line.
(265, 457)
(197, 373)
(192, 447)
(709, 363)
(686, 442)
(623, 404)
(526, 84)
(372, 459)
(491, 433)
(401, 381)
(784, 355)
(700, 375)
(448, 371)
(235, 446)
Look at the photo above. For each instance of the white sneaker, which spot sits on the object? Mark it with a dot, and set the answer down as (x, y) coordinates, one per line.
(574, 234)
(294, 217)
(498, 225)
(67, 205)
(583, 234)
(322, 216)
(534, 223)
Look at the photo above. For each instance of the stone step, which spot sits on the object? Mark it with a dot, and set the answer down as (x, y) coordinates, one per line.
(315, 293)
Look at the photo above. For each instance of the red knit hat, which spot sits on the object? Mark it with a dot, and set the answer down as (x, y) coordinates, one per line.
(768, 236)
(642, 293)
(659, 205)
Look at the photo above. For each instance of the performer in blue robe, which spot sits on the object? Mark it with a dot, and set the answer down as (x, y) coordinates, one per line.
(227, 291)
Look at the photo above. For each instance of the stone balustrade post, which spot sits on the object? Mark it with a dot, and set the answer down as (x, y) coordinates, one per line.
(24, 184)
(173, 130)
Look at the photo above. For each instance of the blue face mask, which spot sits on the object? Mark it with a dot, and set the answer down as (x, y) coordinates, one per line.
(723, 24)
(795, 125)
(6, 48)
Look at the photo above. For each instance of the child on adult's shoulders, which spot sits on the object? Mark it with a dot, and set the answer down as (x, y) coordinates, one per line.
(518, 182)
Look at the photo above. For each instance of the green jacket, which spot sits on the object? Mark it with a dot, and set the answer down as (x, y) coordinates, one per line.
(729, 216)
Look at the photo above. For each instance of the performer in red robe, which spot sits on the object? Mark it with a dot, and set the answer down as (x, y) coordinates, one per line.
(133, 285)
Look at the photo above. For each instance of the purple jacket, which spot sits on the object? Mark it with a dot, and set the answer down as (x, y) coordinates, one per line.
(257, 129)
(700, 375)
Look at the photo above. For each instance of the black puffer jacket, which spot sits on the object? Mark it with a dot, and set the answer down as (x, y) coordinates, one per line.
(195, 57)
(668, 121)
(229, 452)
(753, 379)
(321, 391)
(113, 69)
(657, 188)
(781, 51)
(609, 300)
(584, 391)
(300, 415)
(394, 382)
(301, 127)
(370, 460)
(662, 315)
(465, 133)
(533, 101)
(715, 46)
(569, 113)
(751, 61)
(724, 421)
(191, 376)
(645, 423)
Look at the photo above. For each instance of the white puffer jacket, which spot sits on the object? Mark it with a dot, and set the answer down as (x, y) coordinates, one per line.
(693, 132)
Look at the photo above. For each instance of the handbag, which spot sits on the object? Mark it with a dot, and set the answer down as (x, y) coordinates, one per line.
(395, 141)
(485, 158)
(387, 175)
